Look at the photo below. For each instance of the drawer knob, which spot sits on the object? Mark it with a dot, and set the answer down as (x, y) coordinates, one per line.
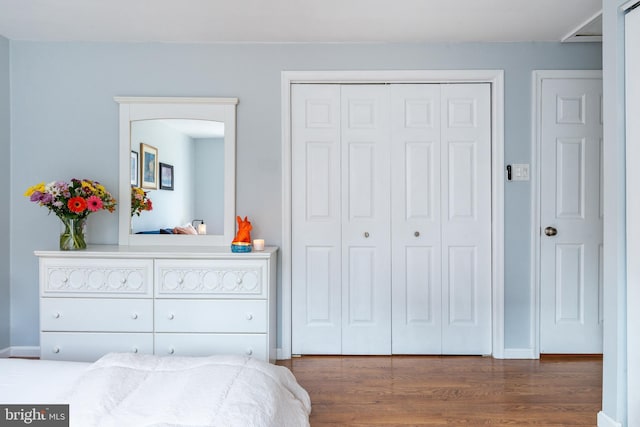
(171, 316)
(171, 351)
(65, 280)
(249, 352)
(56, 315)
(56, 350)
(249, 316)
(239, 280)
(134, 350)
(123, 280)
(134, 316)
(417, 234)
(181, 280)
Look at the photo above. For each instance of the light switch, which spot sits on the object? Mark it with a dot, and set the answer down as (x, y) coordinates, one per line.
(520, 172)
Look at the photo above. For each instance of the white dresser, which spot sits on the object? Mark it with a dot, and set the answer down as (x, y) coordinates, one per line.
(168, 301)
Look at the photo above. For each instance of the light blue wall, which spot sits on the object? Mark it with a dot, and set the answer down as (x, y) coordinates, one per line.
(5, 176)
(209, 180)
(62, 106)
(614, 382)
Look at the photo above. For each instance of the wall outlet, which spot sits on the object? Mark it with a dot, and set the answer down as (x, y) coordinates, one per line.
(520, 172)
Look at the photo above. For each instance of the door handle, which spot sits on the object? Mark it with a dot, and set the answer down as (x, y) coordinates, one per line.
(550, 231)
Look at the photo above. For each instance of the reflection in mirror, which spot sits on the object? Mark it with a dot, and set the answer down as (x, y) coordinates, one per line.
(191, 153)
(181, 152)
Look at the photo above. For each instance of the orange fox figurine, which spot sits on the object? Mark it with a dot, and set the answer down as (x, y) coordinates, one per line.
(244, 231)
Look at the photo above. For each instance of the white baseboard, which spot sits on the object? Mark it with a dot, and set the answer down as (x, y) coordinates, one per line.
(24, 351)
(509, 353)
(605, 421)
(519, 353)
(5, 352)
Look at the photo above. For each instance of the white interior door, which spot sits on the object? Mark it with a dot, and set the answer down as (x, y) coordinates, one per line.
(466, 218)
(571, 216)
(366, 251)
(316, 220)
(416, 222)
(340, 213)
(346, 176)
(441, 227)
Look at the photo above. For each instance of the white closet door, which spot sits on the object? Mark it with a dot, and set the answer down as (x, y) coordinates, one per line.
(570, 204)
(415, 201)
(466, 218)
(342, 174)
(316, 220)
(366, 263)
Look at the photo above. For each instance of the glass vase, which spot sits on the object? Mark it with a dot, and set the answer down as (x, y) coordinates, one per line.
(72, 237)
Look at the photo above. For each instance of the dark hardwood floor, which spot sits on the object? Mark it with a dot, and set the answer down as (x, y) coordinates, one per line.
(450, 390)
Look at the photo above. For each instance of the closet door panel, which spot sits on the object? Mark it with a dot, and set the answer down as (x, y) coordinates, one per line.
(466, 219)
(366, 272)
(462, 164)
(361, 181)
(316, 216)
(415, 205)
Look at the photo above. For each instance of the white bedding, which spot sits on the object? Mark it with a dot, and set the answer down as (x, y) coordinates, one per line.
(36, 381)
(143, 390)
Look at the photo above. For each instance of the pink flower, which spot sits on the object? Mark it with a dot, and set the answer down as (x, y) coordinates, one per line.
(94, 203)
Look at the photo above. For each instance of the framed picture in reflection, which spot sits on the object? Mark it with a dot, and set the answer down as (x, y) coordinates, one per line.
(166, 176)
(134, 169)
(148, 166)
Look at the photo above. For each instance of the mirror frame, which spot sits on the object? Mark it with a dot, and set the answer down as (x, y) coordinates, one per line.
(148, 108)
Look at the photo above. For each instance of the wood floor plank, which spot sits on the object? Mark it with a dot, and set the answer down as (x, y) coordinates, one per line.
(450, 390)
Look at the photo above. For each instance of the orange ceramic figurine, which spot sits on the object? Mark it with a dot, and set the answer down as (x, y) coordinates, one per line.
(244, 231)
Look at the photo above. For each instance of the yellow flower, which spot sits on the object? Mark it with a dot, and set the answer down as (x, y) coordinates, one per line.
(33, 189)
(89, 185)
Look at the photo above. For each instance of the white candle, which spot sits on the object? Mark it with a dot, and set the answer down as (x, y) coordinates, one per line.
(202, 228)
(258, 244)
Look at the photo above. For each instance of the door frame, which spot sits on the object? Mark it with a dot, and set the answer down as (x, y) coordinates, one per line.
(496, 79)
(536, 228)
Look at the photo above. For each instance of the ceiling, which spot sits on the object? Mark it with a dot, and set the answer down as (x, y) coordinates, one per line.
(196, 129)
(296, 21)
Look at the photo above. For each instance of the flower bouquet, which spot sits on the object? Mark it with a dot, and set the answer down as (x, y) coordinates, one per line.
(140, 201)
(72, 202)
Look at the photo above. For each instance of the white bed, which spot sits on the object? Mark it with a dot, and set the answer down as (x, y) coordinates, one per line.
(143, 390)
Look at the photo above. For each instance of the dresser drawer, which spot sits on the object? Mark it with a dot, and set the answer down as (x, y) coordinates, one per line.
(88, 347)
(211, 278)
(210, 315)
(254, 345)
(131, 278)
(96, 314)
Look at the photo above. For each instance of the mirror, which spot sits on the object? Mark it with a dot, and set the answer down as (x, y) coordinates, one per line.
(181, 152)
(190, 163)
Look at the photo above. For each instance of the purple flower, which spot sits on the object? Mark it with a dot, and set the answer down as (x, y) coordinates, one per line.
(36, 196)
(46, 198)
